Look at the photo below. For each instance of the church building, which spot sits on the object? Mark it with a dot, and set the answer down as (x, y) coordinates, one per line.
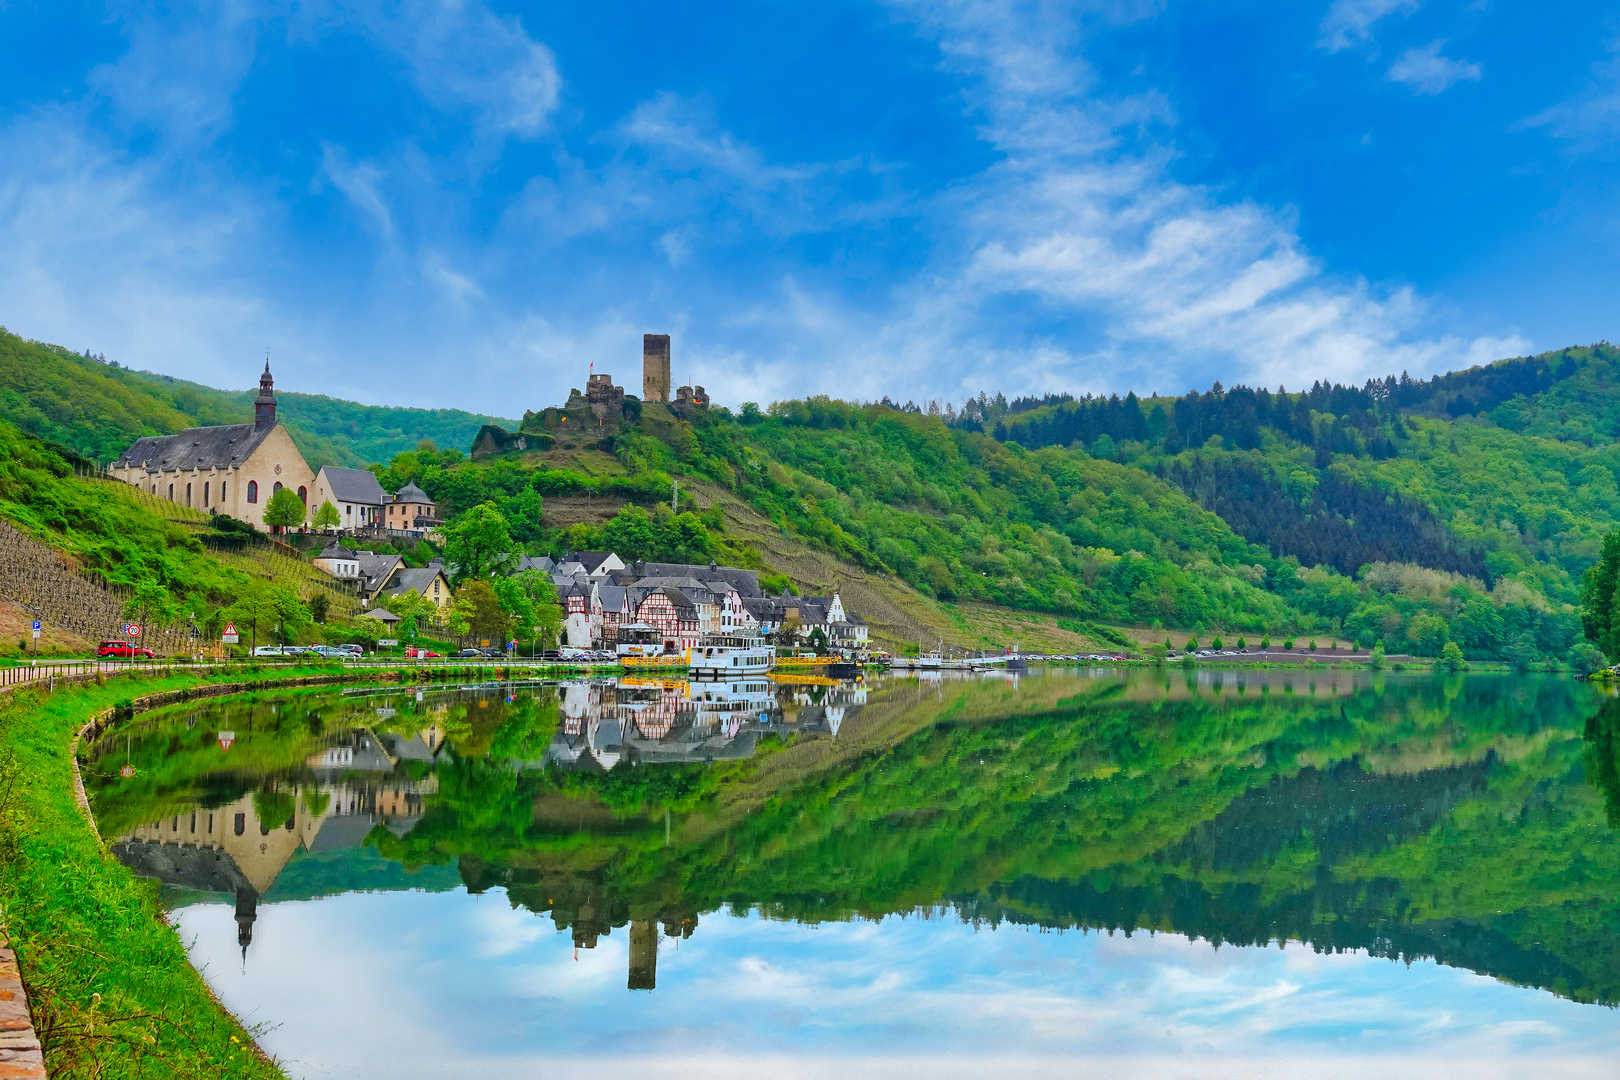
(230, 469)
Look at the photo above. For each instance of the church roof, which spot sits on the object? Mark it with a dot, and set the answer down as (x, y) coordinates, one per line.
(222, 447)
(354, 485)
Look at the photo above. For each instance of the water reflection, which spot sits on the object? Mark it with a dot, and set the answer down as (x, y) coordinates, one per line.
(1463, 818)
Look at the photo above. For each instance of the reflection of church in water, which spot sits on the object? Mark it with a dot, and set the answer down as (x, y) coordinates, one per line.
(234, 849)
(356, 783)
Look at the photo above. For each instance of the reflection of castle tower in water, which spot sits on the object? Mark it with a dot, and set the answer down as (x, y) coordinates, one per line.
(643, 955)
(357, 780)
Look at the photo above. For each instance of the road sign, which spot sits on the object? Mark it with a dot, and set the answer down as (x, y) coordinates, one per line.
(484, 643)
(226, 738)
(229, 639)
(230, 628)
(132, 629)
(35, 628)
(127, 771)
(387, 642)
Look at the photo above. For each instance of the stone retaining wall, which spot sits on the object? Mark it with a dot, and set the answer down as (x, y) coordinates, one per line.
(20, 1056)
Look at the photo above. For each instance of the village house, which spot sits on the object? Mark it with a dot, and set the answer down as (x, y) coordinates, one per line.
(340, 562)
(356, 493)
(411, 511)
(230, 469)
(428, 581)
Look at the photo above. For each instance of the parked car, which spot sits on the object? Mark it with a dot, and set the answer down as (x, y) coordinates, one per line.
(298, 650)
(268, 650)
(351, 649)
(471, 652)
(573, 654)
(329, 652)
(422, 654)
(122, 649)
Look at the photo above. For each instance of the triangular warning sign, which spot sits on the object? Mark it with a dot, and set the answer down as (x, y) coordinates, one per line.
(226, 738)
(230, 628)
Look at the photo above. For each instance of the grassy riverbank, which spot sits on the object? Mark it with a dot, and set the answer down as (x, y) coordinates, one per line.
(112, 990)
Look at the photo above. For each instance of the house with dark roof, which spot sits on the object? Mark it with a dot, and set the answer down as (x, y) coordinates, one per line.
(746, 582)
(340, 562)
(226, 469)
(357, 494)
(428, 581)
(597, 564)
(375, 570)
(411, 510)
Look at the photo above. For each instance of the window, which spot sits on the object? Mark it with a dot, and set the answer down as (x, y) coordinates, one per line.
(303, 495)
(276, 488)
(205, 492)
(253, 491)
(188, 494)
(241, 819)
(222, 491)
(171, 493)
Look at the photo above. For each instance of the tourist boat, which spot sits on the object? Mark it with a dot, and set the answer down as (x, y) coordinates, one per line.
(731, 655)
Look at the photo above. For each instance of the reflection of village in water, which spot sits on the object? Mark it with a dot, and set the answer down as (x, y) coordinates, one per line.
(364, 778)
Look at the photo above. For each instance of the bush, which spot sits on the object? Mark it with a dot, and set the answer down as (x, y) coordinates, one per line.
(1451, 657)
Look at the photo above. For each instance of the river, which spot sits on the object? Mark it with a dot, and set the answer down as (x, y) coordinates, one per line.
(1155, 873)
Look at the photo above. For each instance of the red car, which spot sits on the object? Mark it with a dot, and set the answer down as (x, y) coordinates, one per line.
(123, 649)
(422, 654)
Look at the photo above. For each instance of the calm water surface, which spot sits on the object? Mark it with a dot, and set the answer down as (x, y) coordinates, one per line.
(1070, 873)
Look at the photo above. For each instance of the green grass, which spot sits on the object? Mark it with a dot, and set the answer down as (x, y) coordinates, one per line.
(112, 990)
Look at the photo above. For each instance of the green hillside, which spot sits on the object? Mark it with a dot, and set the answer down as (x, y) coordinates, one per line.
(1406, 513)
(98, 409)
(1333, 512)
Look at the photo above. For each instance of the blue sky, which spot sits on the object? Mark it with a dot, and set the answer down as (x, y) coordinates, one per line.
(464, 204)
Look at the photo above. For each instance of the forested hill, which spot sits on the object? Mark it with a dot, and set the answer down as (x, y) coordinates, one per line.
(1503, 470)
(98, 409)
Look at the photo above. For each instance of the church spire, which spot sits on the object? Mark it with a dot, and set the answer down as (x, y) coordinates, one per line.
(264, 406)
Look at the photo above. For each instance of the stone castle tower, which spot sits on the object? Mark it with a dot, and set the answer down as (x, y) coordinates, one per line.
(655, 367)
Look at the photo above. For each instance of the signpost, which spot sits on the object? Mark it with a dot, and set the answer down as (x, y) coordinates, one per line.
(230, 636)
(388, 642)
(226, 738)
(132, 630)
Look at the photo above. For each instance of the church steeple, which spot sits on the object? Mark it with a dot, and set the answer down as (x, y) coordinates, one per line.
(264, 406)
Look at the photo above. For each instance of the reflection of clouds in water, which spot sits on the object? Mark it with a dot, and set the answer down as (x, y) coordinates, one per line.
(449, 984)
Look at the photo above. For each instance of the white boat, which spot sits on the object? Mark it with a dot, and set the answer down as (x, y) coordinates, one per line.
(729, 656)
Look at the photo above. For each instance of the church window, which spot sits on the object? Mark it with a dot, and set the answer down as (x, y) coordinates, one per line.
(188, 494)
(253, 491)
(171, 493)
(241, 819)
(303, 495)
(205, 492)
(222, 491)
(276, 488)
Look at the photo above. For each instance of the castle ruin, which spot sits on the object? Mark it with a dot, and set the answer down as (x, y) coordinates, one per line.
(655, 367)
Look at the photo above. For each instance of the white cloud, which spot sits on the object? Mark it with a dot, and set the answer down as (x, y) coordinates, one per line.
(1350, 22)
(360, 182)
(1591, 118)
(1426, 71)
(465, 56)
(178, 75)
